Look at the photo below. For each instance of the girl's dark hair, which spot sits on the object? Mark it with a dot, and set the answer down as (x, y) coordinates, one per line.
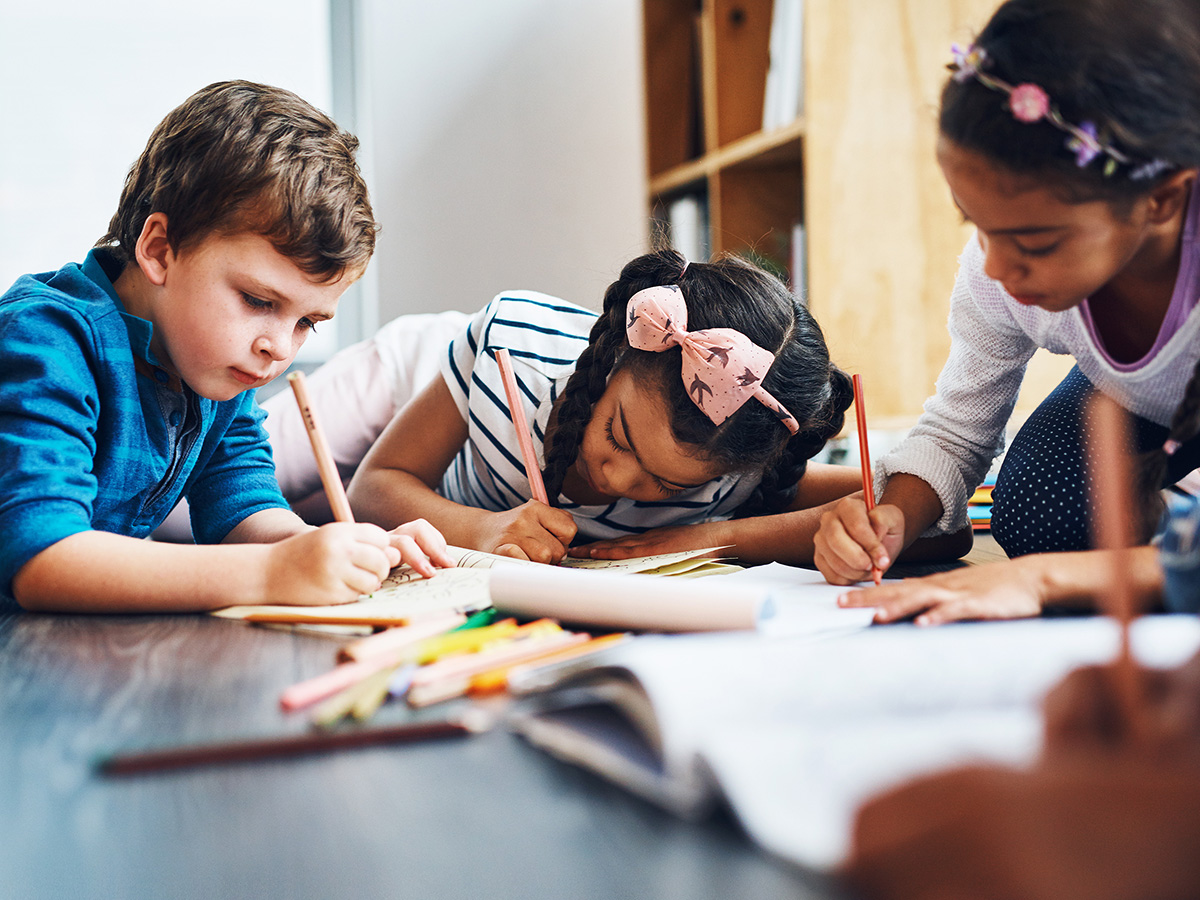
(1132, 67)
(243, 157)
(726, 293)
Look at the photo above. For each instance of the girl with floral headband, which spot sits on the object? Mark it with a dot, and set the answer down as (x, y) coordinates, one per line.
(682, 417)
(1070, 137)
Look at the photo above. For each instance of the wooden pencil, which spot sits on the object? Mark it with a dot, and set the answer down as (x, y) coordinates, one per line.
(864, 456)
(334, 489)
(286, 745)
(524, 436)
(1110, 472)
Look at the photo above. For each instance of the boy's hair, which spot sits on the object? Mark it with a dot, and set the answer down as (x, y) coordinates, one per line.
(1130, 67)
(243, 157)
(726, 293)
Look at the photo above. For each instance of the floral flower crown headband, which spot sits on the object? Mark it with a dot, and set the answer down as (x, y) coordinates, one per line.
(1029, 104)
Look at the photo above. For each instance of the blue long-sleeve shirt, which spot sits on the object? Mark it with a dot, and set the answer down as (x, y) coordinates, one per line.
(94, 435)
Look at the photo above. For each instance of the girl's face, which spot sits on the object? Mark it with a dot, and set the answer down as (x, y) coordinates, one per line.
(628, 450)
(1043, 251)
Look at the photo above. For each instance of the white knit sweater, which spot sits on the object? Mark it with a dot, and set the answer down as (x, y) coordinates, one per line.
(992, 338)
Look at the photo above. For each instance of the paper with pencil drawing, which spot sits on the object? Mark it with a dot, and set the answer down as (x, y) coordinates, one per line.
(406, 595)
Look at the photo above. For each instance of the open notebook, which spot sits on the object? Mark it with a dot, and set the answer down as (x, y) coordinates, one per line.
(795, 732)
(405, 595)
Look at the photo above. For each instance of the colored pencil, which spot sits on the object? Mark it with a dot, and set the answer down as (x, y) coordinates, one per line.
(334, 489)
(1110, 471)
(524, 436)
(864, 455)
(287, 745)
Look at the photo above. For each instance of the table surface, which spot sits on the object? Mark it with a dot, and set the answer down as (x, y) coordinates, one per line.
(483, 816)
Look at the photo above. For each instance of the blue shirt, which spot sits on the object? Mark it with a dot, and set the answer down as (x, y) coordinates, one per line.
(544, 336)
(94, 435)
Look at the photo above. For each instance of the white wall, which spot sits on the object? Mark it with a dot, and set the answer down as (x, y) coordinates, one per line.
(82, 85)
(505, 142)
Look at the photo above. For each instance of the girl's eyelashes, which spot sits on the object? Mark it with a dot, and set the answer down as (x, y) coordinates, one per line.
(1036, 251)
(667, 491)
(608, 431)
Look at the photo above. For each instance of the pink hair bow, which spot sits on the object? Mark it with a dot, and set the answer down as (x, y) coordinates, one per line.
(722, 368)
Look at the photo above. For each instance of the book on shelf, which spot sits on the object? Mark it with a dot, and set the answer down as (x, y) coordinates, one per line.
(687, 221)
(783, 97)
(794, 733)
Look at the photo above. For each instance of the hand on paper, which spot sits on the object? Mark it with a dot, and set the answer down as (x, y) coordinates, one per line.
(421, 546)
(331, 564)
(1085, 712)
(657, 541)
(532, 531)
(1001, 590)
(1089, 826)
(851, 540)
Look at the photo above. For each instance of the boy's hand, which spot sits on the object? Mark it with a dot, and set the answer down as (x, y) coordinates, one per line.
(850, 540)
(658, 540)
(532, 531)
(331, 564)
(422, 547)
(1001, 590)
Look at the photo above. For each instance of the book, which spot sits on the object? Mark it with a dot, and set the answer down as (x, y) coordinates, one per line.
(794, 733)
(406, 596)
(783, 95)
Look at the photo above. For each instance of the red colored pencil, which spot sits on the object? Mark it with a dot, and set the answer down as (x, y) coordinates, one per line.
(864, 456)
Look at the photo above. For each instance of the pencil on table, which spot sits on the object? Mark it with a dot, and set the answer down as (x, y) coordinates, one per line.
(524, 436)
(864, 455)
(286, 745)
(334, 489)
(1110, 472)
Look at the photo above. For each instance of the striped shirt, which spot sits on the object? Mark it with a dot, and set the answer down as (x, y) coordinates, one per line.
(544, 336)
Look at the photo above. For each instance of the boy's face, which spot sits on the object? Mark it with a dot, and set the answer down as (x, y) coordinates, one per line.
(232, 311)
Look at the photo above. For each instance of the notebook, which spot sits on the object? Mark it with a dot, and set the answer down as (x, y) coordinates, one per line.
(794, 732)
(406, 596)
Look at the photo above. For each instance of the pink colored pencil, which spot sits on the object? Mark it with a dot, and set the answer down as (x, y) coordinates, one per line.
(524, 435)
(864, 455)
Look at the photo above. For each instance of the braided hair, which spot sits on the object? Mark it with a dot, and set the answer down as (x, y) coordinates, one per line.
(725, 293)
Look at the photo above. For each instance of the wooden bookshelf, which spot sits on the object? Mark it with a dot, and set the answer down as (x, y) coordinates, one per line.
(858, 169)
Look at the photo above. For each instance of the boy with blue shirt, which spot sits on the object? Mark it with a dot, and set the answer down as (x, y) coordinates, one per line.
(128, 380)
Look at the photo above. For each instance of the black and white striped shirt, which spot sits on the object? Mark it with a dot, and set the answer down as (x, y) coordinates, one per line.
(544, 337)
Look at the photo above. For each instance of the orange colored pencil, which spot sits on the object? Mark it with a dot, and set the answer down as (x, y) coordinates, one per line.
(1110, 471)
(864, 455)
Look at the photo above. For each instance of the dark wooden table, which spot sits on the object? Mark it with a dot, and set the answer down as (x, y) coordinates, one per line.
(480, 817)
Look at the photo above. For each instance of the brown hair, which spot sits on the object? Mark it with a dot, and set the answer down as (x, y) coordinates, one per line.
(239, 156)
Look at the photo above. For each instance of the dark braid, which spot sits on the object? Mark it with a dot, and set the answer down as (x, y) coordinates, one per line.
(726, 293)
(1152, 471)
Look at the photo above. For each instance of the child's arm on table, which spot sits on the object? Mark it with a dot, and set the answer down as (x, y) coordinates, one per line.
(1011, 589)
(783, 537)
(95, 571)
(398, 479)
